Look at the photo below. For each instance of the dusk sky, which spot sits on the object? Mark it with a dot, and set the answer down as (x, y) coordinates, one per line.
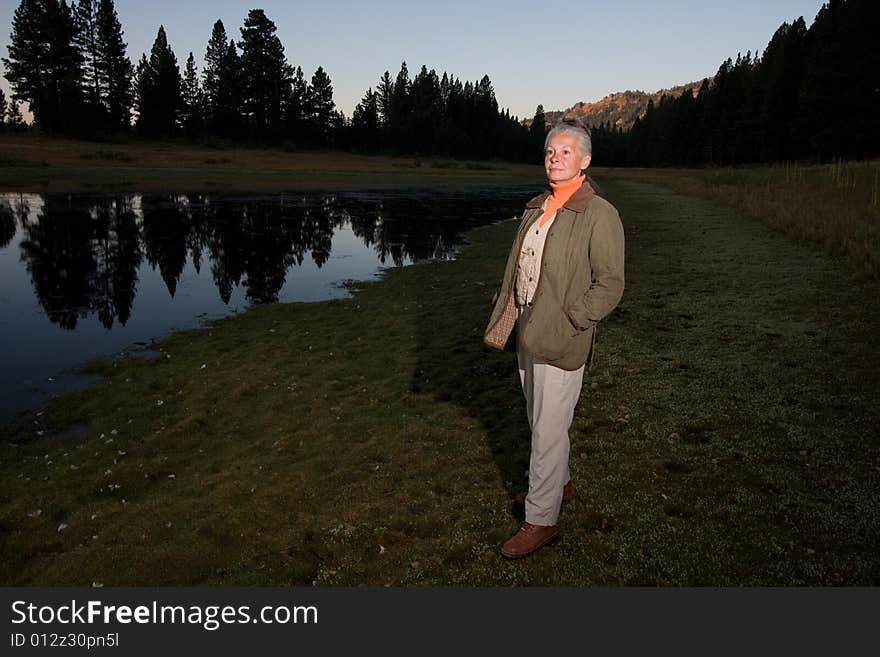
(553, 53)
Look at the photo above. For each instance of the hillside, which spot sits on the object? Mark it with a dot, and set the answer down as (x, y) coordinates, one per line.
(618, 109)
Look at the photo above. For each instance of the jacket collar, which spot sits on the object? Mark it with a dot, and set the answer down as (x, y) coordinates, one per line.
(577, 202)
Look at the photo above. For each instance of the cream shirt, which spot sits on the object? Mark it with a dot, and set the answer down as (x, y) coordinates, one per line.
(528, 269)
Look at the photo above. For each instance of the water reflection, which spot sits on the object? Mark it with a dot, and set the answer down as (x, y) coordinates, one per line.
(107, 271)
(7, 224)
(82, 259)
(83, 254)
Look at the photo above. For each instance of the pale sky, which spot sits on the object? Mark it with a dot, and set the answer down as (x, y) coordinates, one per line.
(553, 53)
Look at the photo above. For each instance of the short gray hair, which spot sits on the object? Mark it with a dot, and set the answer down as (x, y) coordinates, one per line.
(576, 127)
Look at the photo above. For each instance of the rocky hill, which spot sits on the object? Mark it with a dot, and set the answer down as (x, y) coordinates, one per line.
(618, 109)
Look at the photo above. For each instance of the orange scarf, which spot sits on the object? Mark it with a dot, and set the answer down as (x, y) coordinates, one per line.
(561, 193)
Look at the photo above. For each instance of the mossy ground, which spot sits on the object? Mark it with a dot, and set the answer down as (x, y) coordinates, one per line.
(727, 433)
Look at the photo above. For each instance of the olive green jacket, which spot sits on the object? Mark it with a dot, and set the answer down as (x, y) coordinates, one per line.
(581, 281)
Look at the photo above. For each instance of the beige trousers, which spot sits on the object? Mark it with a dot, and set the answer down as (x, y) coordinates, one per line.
(551, 395)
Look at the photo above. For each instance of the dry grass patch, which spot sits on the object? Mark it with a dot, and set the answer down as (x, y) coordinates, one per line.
(39, 164)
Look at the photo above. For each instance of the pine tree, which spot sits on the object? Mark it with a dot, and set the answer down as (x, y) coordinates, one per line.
(44, 65)
(742, 137)
(538, 130)
(191, 97)
(485, 119)
(837, 109)
(221, 86)
(158, 90)
(339, 126)
(2, 108)
(453, 136)
(399, 114)
(113, 67)
(14, 120)
(143, 91)
(680, 129)
(777, 82)
(297, 110)
(233, 93)
(87, 42)
(702, 150)
(445, 87)
(426, 107)
(365, 122)
(265, 73)
(323, 117)
(862, 61)
(28, 47)
(384, 92)
(213, 73)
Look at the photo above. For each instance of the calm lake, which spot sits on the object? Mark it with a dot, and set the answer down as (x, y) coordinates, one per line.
(83, 276)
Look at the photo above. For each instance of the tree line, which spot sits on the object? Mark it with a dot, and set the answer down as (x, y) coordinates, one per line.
(813, 94)
(439, 115)
(69, 62)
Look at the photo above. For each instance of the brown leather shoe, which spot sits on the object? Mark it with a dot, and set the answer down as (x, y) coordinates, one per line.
(567, 494)
(528, 539)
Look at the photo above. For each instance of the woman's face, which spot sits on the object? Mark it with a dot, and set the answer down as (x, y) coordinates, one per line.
(562, 159)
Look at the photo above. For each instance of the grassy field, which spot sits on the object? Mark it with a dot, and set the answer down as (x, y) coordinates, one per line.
(835, 206)
(727, 434)
(37, 164)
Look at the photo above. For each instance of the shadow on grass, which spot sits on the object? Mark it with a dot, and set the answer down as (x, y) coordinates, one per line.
(454, 366)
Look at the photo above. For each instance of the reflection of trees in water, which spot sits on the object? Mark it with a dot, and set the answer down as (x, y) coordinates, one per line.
(255, 243)
(266, 250)
(379, 229)
(320, 223)
(10, 210)
(118, 255)
(58, 252)
(421, 229)
(166, 228)
(83, 259)
(83, 254)
(199, 235)
(7, 223)
(225, 246)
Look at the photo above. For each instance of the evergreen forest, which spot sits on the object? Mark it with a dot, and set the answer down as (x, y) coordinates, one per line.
(811, 95)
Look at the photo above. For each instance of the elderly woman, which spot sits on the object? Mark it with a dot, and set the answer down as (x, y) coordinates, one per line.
(564, 274)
